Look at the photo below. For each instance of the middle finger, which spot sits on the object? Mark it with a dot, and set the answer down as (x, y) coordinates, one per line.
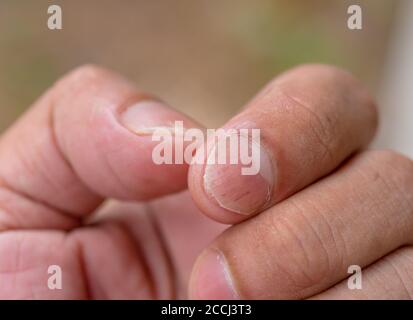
(305, 244)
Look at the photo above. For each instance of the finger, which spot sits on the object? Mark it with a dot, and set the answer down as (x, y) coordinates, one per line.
(130, 251)
(87, 138)
(388, 278)
(31, 261)
(52, 264)
(305, 244)
(161, 227)
(311, 119)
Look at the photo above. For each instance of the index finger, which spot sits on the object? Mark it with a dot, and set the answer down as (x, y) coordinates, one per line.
(310, 119)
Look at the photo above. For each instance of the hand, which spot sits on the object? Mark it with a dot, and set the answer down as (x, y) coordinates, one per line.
(86, 140)
(320, 204)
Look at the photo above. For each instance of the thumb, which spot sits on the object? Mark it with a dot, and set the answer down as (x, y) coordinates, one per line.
(86, 139)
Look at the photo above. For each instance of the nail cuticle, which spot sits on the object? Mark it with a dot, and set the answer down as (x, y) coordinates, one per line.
(241, 194)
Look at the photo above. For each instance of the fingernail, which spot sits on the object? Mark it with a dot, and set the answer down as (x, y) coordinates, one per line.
(147, 116)
(212, 279)
(238, 192)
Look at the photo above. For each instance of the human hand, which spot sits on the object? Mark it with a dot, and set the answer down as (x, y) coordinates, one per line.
(87, 139)
(77, 147)
(319, 205)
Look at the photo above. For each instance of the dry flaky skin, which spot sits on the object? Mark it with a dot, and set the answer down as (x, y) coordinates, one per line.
(333, 205)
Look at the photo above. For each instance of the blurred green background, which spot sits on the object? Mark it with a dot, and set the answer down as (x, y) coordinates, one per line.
(206, 58)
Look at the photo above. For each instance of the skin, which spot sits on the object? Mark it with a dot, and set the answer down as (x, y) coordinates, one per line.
(331, 204)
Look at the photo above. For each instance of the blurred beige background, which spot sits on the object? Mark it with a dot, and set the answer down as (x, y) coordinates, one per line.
(206, 58)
